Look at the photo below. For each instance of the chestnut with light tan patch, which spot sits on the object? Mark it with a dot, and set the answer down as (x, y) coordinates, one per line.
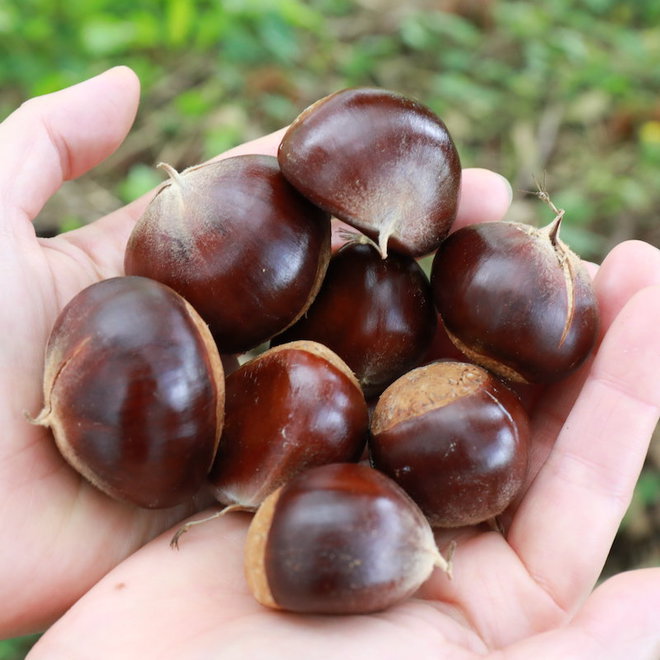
(455, 439)
(339, 539)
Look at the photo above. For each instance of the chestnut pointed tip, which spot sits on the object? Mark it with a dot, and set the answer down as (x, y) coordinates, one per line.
(554, 226)
(446, 563)
(169, 170)
(383, 238)
(354, 237)
(385, 233)
(42, 418)
(174, 177)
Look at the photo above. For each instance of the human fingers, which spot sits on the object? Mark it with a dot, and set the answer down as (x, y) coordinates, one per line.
(628, 268)
(563, 528)
(160, 598)
(59, 136)
(618, 621)
(485, 197)
(195, 603)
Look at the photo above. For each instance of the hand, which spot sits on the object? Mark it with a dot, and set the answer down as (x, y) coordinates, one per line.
(528, 594)
(63, 535)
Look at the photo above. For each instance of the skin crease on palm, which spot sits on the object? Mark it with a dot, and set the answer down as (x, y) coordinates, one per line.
(101, 576)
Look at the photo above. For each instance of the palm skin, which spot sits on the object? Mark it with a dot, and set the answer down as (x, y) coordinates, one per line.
(68, 547)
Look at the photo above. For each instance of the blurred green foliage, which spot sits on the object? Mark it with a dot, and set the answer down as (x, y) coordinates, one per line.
(568, 88)
(567, 91)
(571, 87)
(16, 649)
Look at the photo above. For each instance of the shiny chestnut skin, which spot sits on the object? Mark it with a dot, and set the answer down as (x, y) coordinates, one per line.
(455, 438)
(339, 539)
(238, 242)
(516, 300)
(293, 407)
(376, 314)
(134, 391)
(380, 162)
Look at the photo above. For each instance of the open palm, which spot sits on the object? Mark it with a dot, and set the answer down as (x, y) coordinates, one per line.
(523, 592)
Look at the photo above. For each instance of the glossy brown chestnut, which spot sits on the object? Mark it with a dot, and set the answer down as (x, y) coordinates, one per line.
(291, 408)
(339, 539)
(516, 300)
(379, 161)
(455, 439)
(238, 242)
(376, 314)
(134, 391)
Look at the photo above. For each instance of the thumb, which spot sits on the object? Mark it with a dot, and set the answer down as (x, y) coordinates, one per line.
(59, 136)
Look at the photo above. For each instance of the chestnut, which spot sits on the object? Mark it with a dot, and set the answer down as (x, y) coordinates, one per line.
(134, 391)
(455, 438)
(290, 408)
(516, 300)
(293, 407)
(376, 314)
(380, 162)
(339, 539)
(237, 241)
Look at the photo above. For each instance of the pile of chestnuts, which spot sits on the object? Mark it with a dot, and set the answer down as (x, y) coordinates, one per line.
(349, 440)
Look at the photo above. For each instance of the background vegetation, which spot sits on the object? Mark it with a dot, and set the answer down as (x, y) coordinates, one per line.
(565, 90)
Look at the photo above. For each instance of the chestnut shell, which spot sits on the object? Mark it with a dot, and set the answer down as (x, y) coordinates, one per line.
(516, 300)
(291, 408)
(376, 314)
(455, 438)
(338, 539)
(134, 391)
(241, 244)
(380, 162)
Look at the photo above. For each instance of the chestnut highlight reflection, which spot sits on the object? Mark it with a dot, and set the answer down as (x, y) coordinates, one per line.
(134, 391)
(339, 539)
(455, 439)
(379, 161)
(293, 407)
(376, 314)
(516, 300)
(238, 242)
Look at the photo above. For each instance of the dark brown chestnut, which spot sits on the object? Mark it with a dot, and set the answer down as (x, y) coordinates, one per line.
(293, 407)
(455, 439)
(339, 539)
(134, 391)
(379, 161)
(238, 242)
(376, 314)
(516, 300)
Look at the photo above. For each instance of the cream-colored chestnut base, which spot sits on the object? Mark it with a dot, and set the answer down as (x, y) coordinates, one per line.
(424, 389)
(480, 358)
(317, 349)
(255, 551)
